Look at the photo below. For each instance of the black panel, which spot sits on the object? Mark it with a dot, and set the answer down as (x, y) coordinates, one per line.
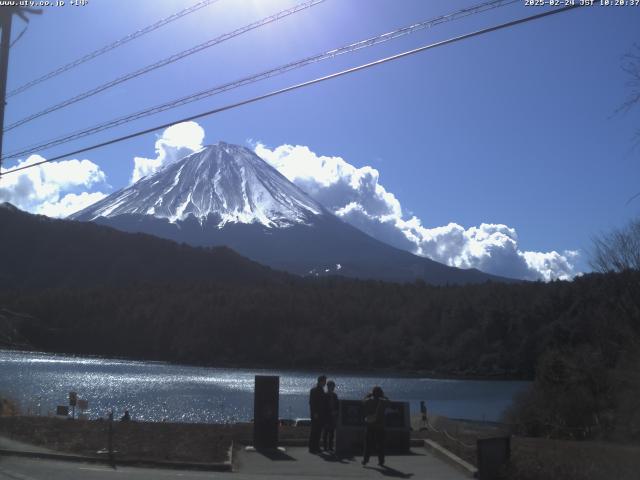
(493, 455)
(394, 415)
(353, 414)
(265, 411)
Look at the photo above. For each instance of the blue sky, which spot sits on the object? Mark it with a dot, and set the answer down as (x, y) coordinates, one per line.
(516, 127)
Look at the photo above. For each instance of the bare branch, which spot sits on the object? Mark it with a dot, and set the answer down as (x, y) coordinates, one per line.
(617, 251)
(631, 65)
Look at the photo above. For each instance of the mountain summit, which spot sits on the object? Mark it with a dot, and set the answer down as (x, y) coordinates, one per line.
(220, 184)
(227, 195)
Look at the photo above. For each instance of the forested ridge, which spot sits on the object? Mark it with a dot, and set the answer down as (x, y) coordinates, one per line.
(83, 288)
(74, 287)
(41, 252)
(477, 330)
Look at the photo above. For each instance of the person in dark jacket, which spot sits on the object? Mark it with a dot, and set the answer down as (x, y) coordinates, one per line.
(329, 430)
(374, 407)
(317, 407)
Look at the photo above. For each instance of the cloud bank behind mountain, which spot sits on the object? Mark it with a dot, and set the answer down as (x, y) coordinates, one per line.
(357, 196)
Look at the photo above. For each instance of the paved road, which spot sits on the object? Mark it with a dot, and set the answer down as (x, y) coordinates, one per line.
(294, 463)
(297, 462)
(17, 468)
(10, 444)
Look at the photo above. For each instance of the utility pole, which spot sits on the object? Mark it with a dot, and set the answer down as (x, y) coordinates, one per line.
(6, 16)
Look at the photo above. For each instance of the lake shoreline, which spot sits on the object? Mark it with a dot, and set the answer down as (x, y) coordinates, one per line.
(392, 372)
(154, 391)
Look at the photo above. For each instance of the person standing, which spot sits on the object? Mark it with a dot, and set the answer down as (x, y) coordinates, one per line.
(374, 407)
(317, 408)
(329, 430)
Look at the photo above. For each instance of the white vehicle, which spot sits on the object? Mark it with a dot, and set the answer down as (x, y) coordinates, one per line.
(303, 422)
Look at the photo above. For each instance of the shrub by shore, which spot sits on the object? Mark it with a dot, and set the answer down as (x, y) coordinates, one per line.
(537, 458)
(8, 408)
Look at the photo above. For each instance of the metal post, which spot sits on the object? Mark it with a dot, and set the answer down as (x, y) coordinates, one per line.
(110, 439)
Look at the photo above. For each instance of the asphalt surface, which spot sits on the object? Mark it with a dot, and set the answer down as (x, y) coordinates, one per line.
(297, 462)
(293, 462)
(17, 468)
(10, 444)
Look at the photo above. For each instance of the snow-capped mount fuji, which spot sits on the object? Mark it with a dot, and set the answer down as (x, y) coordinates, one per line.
(226, 195)
(221, 183)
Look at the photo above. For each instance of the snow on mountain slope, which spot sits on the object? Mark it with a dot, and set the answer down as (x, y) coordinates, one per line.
(227, 195)
(227, 182)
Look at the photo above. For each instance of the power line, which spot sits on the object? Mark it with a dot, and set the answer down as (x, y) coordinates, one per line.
(305, 84)
(264, 75)
(166, 61)
(24, 30)
(111, 46)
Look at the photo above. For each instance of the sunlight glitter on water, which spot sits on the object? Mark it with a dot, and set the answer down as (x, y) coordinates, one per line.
(156, 391)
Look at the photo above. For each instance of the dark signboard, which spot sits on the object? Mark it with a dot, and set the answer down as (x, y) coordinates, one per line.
(62, 410)
(394, 415)
(493, 455)
(265, 411)
(352, 414)
(350, 429)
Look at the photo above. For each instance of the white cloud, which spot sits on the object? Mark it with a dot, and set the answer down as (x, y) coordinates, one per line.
(355, 195)
(70, 203)
(553, 265)
(55, 189)
(331, 180)
(491, 248)
(58, 189)
(176, 142)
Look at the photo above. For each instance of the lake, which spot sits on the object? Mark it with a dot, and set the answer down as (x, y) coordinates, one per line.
(154, 391)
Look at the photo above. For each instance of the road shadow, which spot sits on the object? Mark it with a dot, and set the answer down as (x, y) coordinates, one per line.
(332, 457)
(410, 453)
(390, 472)
(276, 455)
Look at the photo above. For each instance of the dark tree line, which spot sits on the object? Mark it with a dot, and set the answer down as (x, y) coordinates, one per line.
(40, 252)
(79, 288)
(476, 330)
(591, 388)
